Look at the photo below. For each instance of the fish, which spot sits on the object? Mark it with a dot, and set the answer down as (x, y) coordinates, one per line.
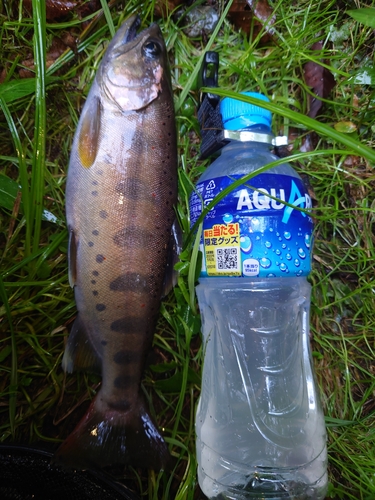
(121, 194)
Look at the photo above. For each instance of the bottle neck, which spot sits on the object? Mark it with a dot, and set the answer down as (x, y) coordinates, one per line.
(245, 145)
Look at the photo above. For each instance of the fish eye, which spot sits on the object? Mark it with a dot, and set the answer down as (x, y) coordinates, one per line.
(151, 49)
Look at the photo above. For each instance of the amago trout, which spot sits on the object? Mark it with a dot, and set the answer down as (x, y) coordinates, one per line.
(121, 189)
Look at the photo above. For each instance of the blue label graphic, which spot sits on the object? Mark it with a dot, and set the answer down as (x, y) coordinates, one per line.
(261, 229)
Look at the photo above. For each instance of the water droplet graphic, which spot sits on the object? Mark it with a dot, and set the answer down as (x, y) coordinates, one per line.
(268, 244)
(296, 262)
(265, 263)
(287, 235)
(283, 246)
(283, 267)
(271, 230)
(288, 256)
(228, 218)
(278, 252)
(271, 275)
(299, 273)
(301, 253)
(245, 243)
(307, 240)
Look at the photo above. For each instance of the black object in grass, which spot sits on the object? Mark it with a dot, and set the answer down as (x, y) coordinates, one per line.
(26, 473)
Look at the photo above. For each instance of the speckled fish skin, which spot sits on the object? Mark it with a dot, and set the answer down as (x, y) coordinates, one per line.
(120, 196)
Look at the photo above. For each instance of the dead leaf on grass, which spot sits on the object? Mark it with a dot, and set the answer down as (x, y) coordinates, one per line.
(242, 12)
(320, 79)
(57, 48)
(164, 7)
(57, 9)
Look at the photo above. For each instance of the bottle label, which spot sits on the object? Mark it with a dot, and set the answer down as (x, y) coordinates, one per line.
(260, 229)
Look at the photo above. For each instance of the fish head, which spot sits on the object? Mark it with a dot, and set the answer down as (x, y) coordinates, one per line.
(134, 69)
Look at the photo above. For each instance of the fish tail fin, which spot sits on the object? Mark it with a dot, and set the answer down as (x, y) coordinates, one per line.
(106, 436)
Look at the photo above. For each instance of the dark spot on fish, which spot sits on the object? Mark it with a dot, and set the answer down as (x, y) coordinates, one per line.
(93, 282)
(128, 324)
(95, 273)
(126, 357)
(123, 381)
(95, 232)
(104, 342)
(120, 405)
(95, 293)
(100, 307)
(103, 214)
(90, 243)
(130, 281)
(133, 236)
(100, 258)
(94, 193)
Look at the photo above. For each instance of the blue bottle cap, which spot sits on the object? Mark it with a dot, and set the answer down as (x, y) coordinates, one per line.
(238, 115)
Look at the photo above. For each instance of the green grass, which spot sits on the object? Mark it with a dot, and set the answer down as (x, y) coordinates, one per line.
(37, 121)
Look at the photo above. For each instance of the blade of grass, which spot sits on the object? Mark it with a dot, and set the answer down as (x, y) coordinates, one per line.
(192, 268)
(39, 148)
(108, 17)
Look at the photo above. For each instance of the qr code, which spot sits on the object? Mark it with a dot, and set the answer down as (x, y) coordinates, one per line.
(227, 259)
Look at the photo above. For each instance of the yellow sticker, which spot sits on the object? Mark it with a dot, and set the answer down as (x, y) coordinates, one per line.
(222, 250)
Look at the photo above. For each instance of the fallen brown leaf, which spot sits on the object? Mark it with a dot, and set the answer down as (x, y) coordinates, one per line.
(242, 13)
(320, 79)
(57, 48)
(57, 9)
(309, 142)
(164, 7)
(264, 13)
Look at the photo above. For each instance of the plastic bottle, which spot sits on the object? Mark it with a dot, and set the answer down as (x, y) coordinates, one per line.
(259, 423)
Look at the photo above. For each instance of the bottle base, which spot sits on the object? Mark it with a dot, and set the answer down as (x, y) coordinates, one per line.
(272, 488)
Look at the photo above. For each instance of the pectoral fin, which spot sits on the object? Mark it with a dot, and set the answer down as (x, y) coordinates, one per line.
(89, 133)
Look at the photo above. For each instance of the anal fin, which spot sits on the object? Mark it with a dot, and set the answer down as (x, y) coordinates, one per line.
(174, 250)
(79, 353)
